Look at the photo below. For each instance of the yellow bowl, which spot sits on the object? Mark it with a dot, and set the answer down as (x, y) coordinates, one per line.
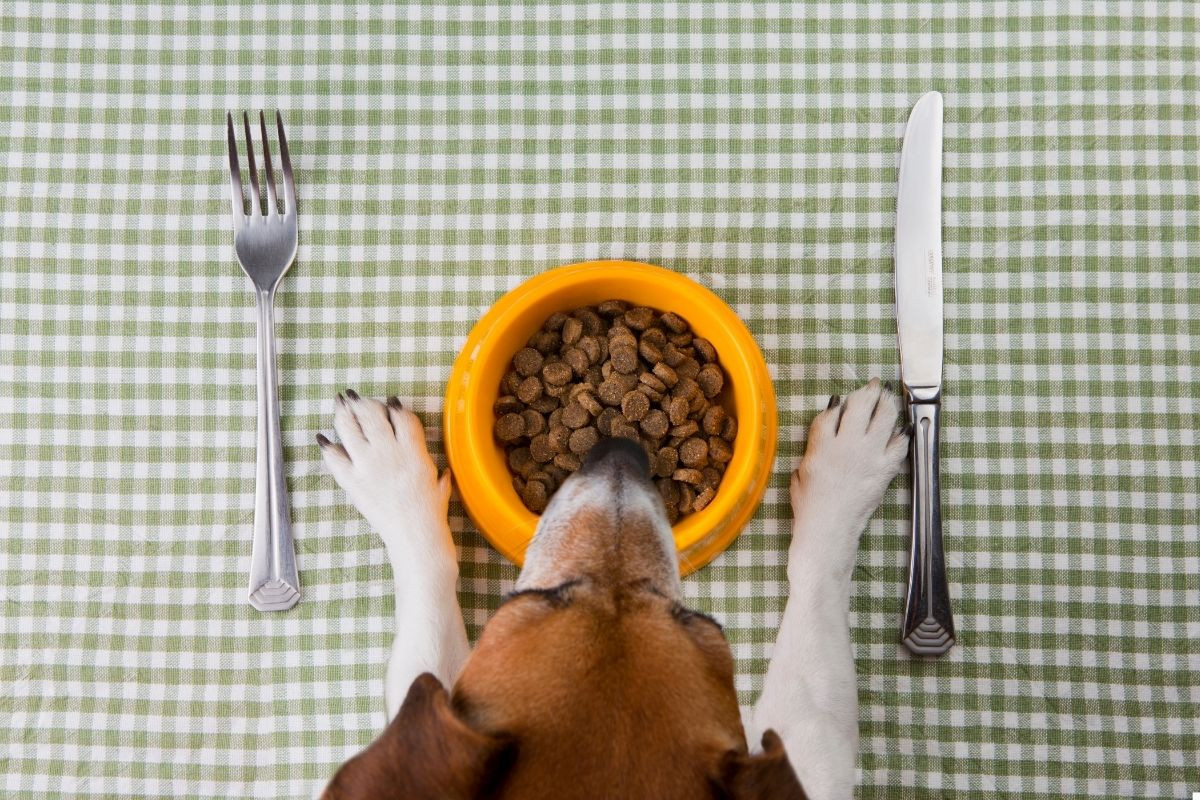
(478, 461)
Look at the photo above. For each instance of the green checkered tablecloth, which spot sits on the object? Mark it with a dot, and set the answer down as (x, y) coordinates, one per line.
(445, 153)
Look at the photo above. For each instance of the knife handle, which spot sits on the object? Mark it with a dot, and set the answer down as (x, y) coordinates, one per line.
(928, 623)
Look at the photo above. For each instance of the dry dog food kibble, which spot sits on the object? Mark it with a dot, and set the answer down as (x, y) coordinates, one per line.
(616, 369)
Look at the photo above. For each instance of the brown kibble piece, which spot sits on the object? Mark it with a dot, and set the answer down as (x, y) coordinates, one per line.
(712, 476)
(669, 490)
(653, 381)
(510, 382)
(558, 437)
(703, 499)
(583, 440)
(654, 396)
(535, 496)
(572, 329)
(590, 345)
(535, 423)
(688, 368)
(665, 462)
(575, 416)
(507, 404)
(719, 450)
(527, 361)
(714, 420)
(589, 402)
(655, 423)
(539, 448)
(622, 338)
(518, 457)
(687, 475)
(687, 496)
(624, 359)
(694, 453)
(666, 374)
(677, 408)
(689, 428)
(623, 429)
(577, 360)
(545, 342)
(729, 429)
(680, 339)
(628, 381)
(655, 337)
(711, 380)
(544, 404)
(510, 427)
(674, 322)
(687, 387)
(592, 324)
(611, 392)
(556, 321)
(612, 308)
(673, 356)
(604, 421)
(568, 462)
(529, 390)
(557, 373)
(639, 318)
(649, 352)
(634, 406)
(518, 483)
(577, 389)
(705, 350)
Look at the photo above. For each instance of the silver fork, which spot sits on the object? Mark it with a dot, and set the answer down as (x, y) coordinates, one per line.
(265, 242)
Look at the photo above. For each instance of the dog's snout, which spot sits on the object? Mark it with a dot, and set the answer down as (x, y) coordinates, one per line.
(617, 450)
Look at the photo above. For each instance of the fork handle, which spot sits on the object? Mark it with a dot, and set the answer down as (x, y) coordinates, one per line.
(928, 622)
(274, 584)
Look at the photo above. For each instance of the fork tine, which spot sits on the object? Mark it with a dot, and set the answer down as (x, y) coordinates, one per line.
(268, 174)
(235, 175)
(289, 185)
(256, 198)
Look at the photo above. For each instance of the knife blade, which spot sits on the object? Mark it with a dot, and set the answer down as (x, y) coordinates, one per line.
(928, 625)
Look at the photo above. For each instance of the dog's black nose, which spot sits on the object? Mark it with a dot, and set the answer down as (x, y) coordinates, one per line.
(616, 449)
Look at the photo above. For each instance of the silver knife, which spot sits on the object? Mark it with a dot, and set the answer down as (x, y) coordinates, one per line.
(928, 624)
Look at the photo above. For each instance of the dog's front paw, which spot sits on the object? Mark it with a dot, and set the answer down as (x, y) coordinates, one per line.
(854, 451)
(383, 464)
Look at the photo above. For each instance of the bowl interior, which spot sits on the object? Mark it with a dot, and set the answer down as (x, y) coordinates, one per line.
(748, 394)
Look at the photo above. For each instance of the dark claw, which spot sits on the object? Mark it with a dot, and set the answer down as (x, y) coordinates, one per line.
(395, 403)
(908, 430)
(834, 399)
(887, 385)
(353, 395)
(341, 400)
(321, 440)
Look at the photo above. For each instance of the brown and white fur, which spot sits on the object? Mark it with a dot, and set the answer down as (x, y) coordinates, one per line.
(592, 680)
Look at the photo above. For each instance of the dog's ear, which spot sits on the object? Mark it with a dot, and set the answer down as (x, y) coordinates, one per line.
(763, 775)
(427, 751)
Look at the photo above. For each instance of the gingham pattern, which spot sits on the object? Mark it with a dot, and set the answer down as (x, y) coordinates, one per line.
(444, 153)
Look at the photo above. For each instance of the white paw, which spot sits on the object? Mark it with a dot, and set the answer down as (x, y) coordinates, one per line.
(383, 464)
(854, 451)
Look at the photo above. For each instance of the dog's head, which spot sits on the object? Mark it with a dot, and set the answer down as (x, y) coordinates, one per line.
(592, 680)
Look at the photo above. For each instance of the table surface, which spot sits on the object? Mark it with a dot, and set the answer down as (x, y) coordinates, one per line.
(444, 154)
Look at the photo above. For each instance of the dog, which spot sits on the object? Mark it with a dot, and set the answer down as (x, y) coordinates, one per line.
(592, 679)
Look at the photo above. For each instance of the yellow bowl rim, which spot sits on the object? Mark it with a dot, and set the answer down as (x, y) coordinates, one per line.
(695, 536)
